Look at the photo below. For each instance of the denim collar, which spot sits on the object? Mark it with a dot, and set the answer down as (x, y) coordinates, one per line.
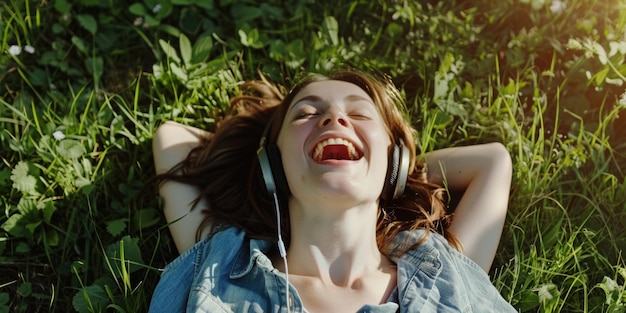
(426, 255)
(254, 252)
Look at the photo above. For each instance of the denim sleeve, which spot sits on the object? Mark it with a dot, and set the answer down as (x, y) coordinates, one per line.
(172, 291)
(481, 293)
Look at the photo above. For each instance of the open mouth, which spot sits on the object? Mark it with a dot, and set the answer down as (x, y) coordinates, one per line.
(335, 149)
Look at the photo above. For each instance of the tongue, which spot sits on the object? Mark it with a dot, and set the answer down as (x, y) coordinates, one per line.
(335, 152)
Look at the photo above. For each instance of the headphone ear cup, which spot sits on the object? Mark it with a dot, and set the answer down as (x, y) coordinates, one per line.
(397, 172)
(276, 163)
(271, 164)
(266, 169)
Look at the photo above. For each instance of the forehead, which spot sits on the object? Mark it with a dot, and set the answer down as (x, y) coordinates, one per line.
(329, 90)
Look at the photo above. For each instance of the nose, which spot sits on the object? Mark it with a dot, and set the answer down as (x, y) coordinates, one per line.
(333, 117)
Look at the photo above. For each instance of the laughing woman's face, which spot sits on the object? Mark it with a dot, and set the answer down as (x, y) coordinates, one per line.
(334, 144)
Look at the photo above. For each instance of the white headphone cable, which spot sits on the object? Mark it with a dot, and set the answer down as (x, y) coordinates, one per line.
(283, 251)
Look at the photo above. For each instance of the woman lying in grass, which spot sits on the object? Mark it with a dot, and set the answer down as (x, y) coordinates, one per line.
(315, 201)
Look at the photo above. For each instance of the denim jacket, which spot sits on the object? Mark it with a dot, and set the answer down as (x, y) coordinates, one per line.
(228, 272)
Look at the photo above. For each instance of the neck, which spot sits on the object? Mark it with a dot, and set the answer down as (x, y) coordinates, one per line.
(336, 245)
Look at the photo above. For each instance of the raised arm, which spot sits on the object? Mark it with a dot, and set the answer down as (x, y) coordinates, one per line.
(170, 145)
(484, 173)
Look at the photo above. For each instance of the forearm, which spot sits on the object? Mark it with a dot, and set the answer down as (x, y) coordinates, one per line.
(171, 144)
(483, 173)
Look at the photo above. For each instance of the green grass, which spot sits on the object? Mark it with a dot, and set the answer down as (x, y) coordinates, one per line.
(82, 229)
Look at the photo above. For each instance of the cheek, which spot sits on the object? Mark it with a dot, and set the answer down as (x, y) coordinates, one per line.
(291, 155)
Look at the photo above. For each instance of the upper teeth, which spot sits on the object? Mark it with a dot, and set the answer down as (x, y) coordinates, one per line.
(317, 155)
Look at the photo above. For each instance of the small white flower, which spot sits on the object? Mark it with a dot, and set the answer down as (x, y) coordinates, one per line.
(157, 8)
(557, 6)
(29, 49)
(614, 81)
(58, 135)
(138, 21)
(15, 50)
(622, 100)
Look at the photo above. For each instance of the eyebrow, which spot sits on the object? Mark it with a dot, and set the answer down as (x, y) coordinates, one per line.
(318, 99)
(311, 98)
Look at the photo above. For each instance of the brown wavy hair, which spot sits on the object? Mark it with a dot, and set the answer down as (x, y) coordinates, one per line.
(225, 166)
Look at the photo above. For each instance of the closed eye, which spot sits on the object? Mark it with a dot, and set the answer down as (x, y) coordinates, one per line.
(359, 116)
(305, 115)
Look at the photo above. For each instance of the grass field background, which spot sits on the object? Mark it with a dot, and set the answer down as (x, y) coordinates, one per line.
(84, 84)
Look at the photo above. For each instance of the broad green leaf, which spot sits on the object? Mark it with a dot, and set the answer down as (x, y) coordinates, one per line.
(38, 77)
(151, 21)
(70, 148)
(5, 175)
(528, 300)
(116, 227)
(468, 91)
(297, 55)
(255, 41)
(243, 13)
(137, 9)
(600, 76)
(4, 298)
(62, 6)
(89, 299)
(169, 51)
(162, 9)
(81, 182)
(201, 49)
(278, 50)
(126, 252)
(179, 72)
(25, 289)
(250, 39)
(191, 20)
(452, 107)
(26, 205)
(88, 22)
(185, 49)
(22, 247)
(271, 11)
(145, 218)
(511, 88)
(441, 119)
(22, 180)
(51, 238)
(394, 30)
(48, 210)
(12, 225)
(80, 45)
(32, 227)
(330, 30)
(57, 29)
(205, 4)
(173, 31)
(105, 115)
